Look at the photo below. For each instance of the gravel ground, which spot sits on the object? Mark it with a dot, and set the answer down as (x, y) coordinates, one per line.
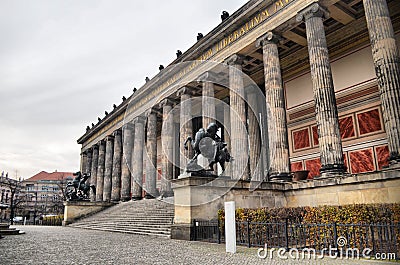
(64, 245)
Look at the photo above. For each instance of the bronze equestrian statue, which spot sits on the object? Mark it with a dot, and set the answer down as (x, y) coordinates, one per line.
(210, 145)
(78, 190)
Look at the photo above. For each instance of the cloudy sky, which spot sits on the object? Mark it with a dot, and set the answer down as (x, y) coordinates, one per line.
(64, 62)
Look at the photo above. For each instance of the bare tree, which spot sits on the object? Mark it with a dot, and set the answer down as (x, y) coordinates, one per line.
(15, 199)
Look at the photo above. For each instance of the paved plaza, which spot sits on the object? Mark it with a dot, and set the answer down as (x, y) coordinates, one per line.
(63, 245)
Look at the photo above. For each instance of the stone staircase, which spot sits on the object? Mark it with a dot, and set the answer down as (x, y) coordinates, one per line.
(5, 230)
(145, 217)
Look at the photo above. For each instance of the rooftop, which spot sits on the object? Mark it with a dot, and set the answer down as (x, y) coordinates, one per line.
(43, 175)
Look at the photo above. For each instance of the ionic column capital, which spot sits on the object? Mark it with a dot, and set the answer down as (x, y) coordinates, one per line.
(185, 91)
(268, 38)
(235, 59)
(314, 10)
(151, 111)
(208, 77)
(118, 132)
(109, 138)
(95, 147)
(89, 150)
(128, 126)
(166, 102)
(139, 119)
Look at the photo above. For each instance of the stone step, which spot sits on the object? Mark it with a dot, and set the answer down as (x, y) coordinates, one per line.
(11, 231)
(164, 226)
(133, 218)
(130, 232)
(164, 231)
(145, 217)
(135, 222)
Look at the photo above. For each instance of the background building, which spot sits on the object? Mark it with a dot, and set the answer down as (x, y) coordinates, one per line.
(44, 194)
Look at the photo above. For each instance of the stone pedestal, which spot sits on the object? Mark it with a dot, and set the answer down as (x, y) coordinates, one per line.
(200, 198)
(76, 210)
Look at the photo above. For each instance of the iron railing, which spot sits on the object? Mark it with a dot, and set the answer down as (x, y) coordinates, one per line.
(379, 238)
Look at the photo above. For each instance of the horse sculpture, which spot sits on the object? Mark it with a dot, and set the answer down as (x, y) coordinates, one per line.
(210, 145)
(78, 190)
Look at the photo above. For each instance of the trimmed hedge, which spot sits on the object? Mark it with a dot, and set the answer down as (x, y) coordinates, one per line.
(53, 220)
(346, 214)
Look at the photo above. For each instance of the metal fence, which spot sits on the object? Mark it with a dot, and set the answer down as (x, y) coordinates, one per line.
(379, 238)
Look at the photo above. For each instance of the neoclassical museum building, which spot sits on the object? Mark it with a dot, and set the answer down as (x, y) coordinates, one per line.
(294, 85)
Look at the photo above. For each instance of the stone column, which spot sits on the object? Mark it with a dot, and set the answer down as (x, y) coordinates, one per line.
(151, 165)
(89, 155)
(227, 140)
(387, 66)
(108, 168)
(100, 170)
(186, 127)
(330, 143)
(208, 102)
(137, 159)
(128, 131)
(116, 168)
(275, 100)
(254, 137)
(167, 151)
(88, 167)
(83, 162)
(93, 170)
(239, 137)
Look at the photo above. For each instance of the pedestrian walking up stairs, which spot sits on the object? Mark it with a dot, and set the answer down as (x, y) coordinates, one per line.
(144, 217)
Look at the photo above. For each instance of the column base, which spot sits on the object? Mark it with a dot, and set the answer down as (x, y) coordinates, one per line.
(332, 170)
(125, 199)
(137, 198)
(286, 177)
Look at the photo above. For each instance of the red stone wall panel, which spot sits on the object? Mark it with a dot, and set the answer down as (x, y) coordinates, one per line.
(346, 164)
(315, 135)
(362, 161)
(296, 166)
(369, 121)
(382, 156)
(313, 165)
(301, 139)
(347, 127)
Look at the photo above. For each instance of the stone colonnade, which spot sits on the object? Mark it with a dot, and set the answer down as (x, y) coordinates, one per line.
(109, 160)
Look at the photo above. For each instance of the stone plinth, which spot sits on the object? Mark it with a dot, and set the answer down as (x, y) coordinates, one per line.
(200, 198)
(76, 210)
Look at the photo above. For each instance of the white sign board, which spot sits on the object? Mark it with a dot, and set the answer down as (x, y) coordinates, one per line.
(230, 227)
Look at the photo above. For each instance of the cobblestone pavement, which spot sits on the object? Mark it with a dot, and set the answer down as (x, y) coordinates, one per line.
(63, 245)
